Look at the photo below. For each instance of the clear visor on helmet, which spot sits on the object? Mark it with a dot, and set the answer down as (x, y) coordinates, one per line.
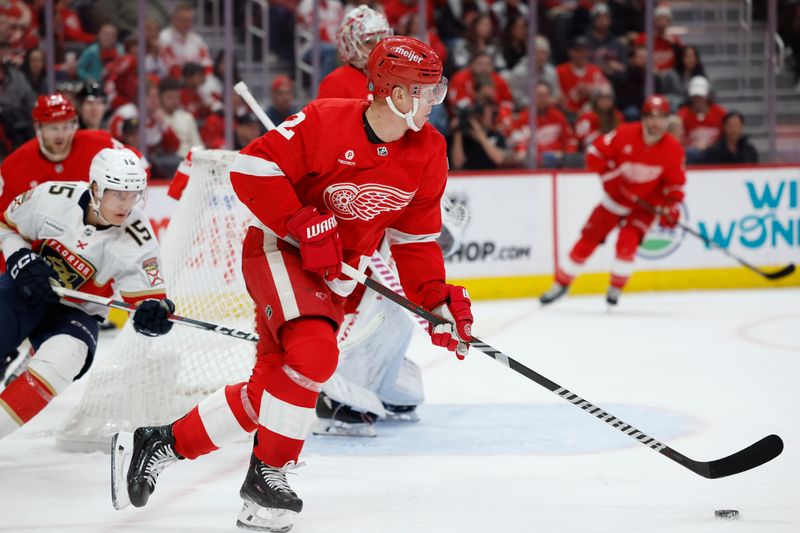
(433, 94)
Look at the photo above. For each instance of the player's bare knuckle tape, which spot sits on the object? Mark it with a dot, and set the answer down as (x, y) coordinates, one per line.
(285, 419)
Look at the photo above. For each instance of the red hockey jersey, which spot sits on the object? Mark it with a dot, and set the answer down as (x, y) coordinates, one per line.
(27, 167)
(629, 167)
(344, 82)
(553, 133)
(701, 130)
(572, 80)
(322, 157)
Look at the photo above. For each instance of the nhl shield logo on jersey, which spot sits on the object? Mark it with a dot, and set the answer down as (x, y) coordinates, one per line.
(349, 201)
(382, 150)
(72, 269)
(150, 267)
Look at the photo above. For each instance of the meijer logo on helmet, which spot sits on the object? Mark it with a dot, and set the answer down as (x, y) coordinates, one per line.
(408, 54)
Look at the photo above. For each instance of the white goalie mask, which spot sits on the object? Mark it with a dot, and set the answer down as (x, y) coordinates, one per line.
(117, 169)
(361, 28)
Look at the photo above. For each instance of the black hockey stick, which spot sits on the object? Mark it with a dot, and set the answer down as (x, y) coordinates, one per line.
(778, 274)
(754, 455)
(191, 322)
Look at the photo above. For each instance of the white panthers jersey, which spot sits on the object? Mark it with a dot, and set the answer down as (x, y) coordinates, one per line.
(96, 260)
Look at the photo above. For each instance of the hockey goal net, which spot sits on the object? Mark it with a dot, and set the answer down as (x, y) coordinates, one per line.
(147, 381)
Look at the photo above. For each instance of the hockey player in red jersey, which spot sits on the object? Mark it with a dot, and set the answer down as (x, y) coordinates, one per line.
(641, 165)
(334, 179)
(358, 33)
(60, 152)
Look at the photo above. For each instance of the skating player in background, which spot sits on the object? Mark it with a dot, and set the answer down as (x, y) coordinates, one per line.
(640, 165)
(91, 237)
(334, 179)
(359, 32)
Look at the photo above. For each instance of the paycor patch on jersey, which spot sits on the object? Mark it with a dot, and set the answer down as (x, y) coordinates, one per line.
(72, 269)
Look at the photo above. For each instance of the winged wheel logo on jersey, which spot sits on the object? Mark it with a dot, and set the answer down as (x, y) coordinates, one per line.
(382, 150)
(364, 202)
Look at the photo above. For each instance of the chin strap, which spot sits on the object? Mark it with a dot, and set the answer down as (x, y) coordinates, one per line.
(408, 116)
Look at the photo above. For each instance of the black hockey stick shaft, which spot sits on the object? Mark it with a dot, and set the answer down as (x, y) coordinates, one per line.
(130, 308)
(754, 455)
(778, 274)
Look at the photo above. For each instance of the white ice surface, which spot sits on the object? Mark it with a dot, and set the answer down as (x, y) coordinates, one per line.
(708, 373)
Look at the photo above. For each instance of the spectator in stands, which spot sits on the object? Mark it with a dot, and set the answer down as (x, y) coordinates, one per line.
(479, 38)
(475, 142)
(193, 78)
(15, 17)
(160, 139)
(517, 77)
(16, 102)
(92, 106)
(67, 24)
(70, 89)
(330, 13)
(559, 24)
(607, 51)
(462, 87)
(93, 59)
(675, 126)
(454, 18)
(667, 48)
(630, 87)
(407, 25)
(121, 76)
(554, 135)
(689, 65)
(179, 45)
(578, 78)
(180, 121)
(153, 63)
(211, 91)
(627, 18)
(602, 118)
(514, 42)
(246, 128)
(733, 148)
(505, 11)
(34, 69)
(397, 9)
(701, 117)
(282, 99)
(128, 132)
(281, 30)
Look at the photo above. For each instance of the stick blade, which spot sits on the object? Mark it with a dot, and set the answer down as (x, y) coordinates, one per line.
(782, 273)
(754, 455)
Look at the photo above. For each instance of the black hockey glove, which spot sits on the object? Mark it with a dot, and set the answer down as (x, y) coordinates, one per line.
(32, 275)
(151, 319)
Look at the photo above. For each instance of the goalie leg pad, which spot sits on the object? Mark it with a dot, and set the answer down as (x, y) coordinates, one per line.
(402, 385)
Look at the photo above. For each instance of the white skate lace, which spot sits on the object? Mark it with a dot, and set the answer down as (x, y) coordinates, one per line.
(276, 477)
(161, 459)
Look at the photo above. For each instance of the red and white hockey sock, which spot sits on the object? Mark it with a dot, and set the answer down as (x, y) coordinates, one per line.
(223, 417)
(23, 399)
(568, 269)
(621, 270)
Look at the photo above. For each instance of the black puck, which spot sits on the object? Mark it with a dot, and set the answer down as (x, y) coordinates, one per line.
(727, 514)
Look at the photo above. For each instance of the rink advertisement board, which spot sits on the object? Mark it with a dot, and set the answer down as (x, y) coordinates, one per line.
(519, 221)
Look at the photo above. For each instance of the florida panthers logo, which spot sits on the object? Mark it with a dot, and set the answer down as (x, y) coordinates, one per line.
(364, 202)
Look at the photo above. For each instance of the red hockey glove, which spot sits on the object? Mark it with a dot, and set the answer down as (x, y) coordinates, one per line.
(451, 303)
(669, 215)
(320, 244)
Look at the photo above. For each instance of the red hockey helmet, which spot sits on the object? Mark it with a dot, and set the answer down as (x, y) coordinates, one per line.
(402, 60)
(53, 108)
(655, 105)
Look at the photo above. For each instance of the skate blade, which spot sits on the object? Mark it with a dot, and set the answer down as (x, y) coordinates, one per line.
(253, 517)
(121, 450)
(335, 428)
(407, 418)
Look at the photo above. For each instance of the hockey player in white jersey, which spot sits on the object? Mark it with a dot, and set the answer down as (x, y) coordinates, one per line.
(92, 237)
(375, 380)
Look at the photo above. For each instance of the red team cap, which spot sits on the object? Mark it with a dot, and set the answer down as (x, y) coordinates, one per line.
(403, 61)
(655, 105)
(53, 108)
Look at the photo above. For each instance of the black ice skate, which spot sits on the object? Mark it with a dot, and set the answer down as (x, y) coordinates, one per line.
(5, 362)
(612, 296)
(270, 504)
(553, 293)
(339, 420)
(148, 451)
(400, 413)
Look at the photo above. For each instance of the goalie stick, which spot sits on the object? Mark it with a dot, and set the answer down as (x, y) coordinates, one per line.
(778, 274)
(191, 322)
(754, 455)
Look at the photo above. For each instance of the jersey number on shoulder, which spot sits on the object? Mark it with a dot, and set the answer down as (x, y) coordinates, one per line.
(291, 123)
(62, 189)
(139, 232)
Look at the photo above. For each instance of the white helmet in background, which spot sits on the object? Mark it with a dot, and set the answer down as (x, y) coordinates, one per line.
(117, 169)
(361, 28)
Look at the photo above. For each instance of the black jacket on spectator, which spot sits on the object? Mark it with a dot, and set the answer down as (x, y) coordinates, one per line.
(718, 153)
(476, 158)
(16, 103)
